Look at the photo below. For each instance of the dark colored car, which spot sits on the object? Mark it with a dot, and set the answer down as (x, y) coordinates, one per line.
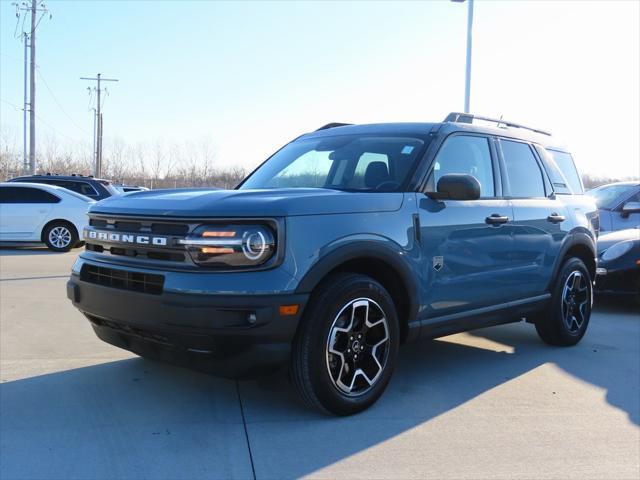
(129, 188)
(618, 205)
(346, 243)
(94, 188)
(619, 263)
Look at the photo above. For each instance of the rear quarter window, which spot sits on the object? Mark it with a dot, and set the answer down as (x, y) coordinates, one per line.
(567, 166)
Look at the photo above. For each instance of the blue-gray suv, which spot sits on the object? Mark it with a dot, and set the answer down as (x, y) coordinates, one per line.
(344, 244)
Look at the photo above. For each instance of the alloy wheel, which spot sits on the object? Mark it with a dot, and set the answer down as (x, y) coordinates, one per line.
(576, 298)
(60, 237)
(358, 347)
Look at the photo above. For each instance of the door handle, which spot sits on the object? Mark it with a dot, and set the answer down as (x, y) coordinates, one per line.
(555, 218)
(496, 219)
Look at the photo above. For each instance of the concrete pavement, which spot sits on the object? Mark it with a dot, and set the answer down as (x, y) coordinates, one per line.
(493, 403)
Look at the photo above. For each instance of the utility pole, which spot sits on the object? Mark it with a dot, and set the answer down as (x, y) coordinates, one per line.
(32, 91)
(31, 7)
(25, 161)
(97, 169)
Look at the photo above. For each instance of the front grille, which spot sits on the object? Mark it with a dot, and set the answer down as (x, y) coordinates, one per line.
(122, 279)
(160, 228)
(167, 256)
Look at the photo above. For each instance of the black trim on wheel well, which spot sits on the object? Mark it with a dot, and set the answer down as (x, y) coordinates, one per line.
(381, 264)
(580, 245)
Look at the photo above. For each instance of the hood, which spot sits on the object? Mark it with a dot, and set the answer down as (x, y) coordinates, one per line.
(608, 239)
(247, 203)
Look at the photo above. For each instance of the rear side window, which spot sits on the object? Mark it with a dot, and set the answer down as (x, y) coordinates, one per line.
(26, 195)
(523, 172)
(82, 188)
(465, 154)
(568, 168)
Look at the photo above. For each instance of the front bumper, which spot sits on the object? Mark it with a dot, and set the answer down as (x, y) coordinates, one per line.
(229, 335)
(619, 277)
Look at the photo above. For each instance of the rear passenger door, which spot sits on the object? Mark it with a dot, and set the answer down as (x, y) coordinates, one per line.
(539, 219)
(466, 244)
(23, 210)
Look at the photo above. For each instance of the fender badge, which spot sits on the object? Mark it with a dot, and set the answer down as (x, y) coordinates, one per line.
(438, 263)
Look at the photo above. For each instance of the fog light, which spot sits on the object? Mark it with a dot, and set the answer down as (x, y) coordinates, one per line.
(251, 318)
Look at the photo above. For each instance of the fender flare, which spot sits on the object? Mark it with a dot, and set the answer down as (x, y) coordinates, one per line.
(366, 249)
(574, 239)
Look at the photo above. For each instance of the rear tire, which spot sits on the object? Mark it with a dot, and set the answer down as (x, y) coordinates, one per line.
(60, 236)
(346, 347)
(565, 321)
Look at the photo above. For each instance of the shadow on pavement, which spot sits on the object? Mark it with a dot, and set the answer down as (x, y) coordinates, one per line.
(134, 418)
(432, 378)
(6, 251)
(125, 419)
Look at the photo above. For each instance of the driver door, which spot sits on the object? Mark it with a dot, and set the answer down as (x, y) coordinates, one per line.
(465, 250)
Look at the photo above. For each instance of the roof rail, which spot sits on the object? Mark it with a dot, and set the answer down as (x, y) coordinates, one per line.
(333, 125)
(457, 117)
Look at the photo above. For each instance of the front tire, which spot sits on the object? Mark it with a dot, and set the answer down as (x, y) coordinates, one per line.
(566, 320)
(60, 236)
(346, 347)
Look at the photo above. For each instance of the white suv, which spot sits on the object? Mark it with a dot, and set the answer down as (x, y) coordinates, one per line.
(34, 212)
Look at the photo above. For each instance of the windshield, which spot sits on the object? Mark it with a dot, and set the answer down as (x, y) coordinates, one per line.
(110, 188)
(607, 196)
(342, 162)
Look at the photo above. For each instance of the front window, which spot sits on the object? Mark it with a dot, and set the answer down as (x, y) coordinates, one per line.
(343, 162)
(608, 196)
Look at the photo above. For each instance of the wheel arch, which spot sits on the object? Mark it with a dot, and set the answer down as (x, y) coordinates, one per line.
(582, 246)
(383, 264)
(57, 220)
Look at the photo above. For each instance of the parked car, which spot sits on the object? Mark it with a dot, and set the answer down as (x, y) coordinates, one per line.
(619, 263)
(129, 188)
(34, 212)
(618, 205)
(94, 188)
(346, 243)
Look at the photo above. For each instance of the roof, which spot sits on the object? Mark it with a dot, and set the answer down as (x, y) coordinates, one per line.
(62, 177)
(44, 186)
(626, 182)
(462, 123)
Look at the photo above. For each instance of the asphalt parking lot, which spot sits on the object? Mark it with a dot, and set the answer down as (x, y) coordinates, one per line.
(493, 403)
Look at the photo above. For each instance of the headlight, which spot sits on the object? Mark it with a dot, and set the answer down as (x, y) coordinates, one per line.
(617, 250)
(231, 245)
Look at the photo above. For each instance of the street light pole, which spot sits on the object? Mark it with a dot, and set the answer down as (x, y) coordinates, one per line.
(467, 80)
(467, 85)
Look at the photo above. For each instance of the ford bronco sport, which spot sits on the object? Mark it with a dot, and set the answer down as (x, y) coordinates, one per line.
(344, 244)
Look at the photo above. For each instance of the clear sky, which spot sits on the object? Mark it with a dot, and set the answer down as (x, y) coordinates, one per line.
(253, 75)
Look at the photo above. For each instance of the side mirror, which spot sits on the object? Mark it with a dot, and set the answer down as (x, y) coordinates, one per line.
(457, 186)
(630, 207)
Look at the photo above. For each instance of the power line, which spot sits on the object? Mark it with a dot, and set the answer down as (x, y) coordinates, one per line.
(55, 99)
(74, 140)
(18, 109)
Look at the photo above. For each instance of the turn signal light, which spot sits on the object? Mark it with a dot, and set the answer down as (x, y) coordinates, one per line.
(222, 234)
(286, 310)
(217, 250)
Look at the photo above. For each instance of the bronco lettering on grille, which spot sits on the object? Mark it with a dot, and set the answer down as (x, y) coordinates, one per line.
(126, 238)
